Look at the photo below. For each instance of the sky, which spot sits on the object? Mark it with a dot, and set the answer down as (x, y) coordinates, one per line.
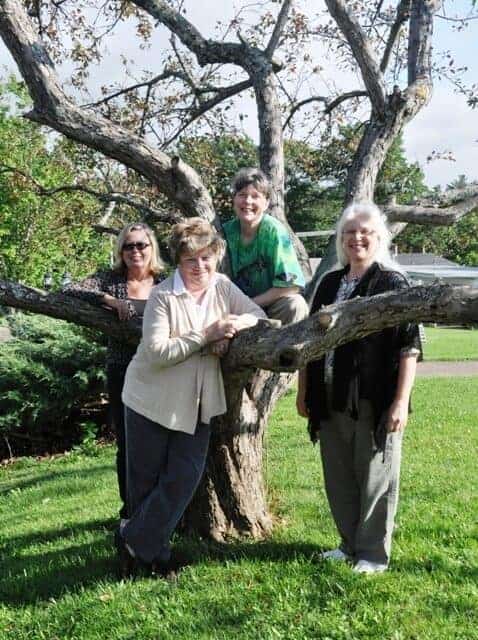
(447, 124)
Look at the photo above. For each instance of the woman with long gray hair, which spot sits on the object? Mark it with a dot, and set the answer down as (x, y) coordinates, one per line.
(357, 397)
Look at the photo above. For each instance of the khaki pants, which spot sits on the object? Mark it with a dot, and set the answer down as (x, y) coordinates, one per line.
(288, 309)
(361, 483)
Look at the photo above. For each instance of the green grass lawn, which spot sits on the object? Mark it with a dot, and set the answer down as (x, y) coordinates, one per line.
(451, 344)
(58, 581)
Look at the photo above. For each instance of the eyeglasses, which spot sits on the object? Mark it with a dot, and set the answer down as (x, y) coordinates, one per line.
(365, 233)
(130, 246)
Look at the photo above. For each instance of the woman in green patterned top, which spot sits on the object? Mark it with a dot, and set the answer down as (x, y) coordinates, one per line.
(263, 261)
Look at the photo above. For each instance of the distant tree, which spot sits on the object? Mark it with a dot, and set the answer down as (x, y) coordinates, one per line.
(458, 243)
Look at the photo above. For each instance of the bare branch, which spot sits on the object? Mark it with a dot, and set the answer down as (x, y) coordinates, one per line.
(353, 32)
(140, 204)
(53, 108)
(147, 83)
(207, 105)
(403, 14)
(330, 105)
(278, 28)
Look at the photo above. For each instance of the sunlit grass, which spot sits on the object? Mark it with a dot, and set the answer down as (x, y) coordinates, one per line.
(451, 344)
(58, 566)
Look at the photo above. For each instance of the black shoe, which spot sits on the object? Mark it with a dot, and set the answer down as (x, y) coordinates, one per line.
(127, 562)
(169, 570)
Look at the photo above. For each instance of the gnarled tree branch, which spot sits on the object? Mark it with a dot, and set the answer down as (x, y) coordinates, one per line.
(288, 348)
(53, 108)
(444, 216)
(362, 51)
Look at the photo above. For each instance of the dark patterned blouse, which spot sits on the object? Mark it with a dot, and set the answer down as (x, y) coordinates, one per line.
(92, 290)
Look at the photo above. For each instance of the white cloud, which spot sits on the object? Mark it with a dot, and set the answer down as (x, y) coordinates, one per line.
(446, 124)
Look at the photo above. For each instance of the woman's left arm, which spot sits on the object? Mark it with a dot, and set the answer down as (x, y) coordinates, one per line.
(241, 305)
(398, 412)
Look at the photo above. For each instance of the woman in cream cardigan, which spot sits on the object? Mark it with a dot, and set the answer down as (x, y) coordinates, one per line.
(173, 389)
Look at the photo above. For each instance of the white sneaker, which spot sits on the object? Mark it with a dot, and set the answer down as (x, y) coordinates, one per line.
(334, 554)
(365, 566)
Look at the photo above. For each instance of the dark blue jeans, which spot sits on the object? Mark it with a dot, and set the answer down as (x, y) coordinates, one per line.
(114, 382)
(163, 469)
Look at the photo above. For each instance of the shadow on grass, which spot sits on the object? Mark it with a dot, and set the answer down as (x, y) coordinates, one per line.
(31, 577)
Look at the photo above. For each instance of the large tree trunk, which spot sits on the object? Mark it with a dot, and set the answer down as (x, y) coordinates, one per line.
(231, 500)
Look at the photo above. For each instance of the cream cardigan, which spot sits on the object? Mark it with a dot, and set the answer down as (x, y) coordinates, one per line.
(170, 377)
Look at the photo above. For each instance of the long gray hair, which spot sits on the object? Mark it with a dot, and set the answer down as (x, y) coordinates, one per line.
(372, 213)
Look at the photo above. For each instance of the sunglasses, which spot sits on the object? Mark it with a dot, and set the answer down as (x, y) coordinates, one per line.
(130, 246)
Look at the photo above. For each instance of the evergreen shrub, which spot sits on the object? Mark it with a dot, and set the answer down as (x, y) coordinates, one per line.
(49, 372)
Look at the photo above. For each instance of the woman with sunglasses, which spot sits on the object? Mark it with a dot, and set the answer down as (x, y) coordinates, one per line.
(125, 289)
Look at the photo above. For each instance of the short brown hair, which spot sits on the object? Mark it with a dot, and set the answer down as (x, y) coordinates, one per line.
(193, 235)
(251, 176)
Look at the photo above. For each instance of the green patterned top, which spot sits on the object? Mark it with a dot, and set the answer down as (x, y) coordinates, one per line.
(268, 261)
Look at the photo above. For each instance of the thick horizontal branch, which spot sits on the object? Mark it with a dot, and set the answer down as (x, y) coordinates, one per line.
(292, 347)
(433, 215)
(280, 349)
(362, 51)
(56, 305)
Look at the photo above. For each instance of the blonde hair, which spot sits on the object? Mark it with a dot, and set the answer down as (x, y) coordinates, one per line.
(371, 212)
(155, 266)
(193, 235)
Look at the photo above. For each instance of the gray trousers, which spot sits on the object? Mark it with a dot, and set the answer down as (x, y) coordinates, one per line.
(163, 469)
(361, 483)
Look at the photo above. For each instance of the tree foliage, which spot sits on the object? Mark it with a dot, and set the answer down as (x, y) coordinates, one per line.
(40, 234)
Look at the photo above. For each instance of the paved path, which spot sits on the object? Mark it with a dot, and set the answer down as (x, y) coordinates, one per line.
(448, 369)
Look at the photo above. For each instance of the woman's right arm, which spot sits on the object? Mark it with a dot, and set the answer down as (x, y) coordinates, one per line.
(164, 350)
(94, 290)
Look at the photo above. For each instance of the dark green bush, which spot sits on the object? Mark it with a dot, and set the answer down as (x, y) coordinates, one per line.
(48, 372)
